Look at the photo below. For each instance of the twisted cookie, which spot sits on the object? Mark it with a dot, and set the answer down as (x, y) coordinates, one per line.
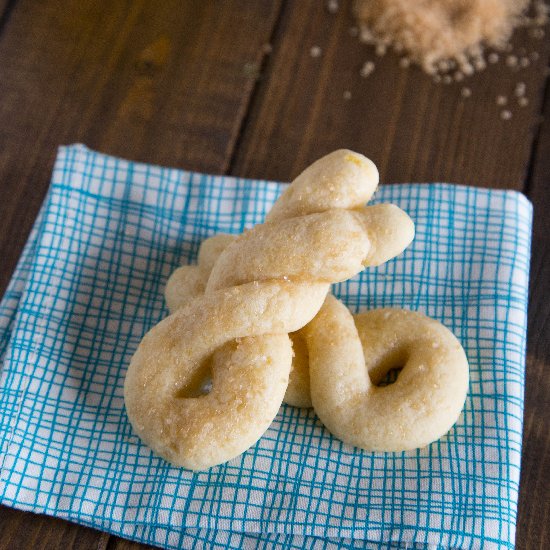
(268, 282)
(189, 281)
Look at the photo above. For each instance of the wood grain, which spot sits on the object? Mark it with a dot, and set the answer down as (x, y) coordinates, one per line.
(167, 82)
(179, 83)
(5, 7)
(116, 543)
(533, 529)
(414, 129)
(26, 530)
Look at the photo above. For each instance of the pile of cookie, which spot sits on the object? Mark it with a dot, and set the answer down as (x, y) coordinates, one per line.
(253, 325)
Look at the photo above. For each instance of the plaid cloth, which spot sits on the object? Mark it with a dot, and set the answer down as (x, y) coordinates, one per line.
(90, 284)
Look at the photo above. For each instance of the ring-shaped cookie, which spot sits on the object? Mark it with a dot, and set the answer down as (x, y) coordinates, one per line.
(247, 326)
(347, 359)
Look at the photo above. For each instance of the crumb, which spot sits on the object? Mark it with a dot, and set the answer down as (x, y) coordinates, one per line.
(315, 51)
(332, 6)
(520, 89)
(512, 61)
(367, 69)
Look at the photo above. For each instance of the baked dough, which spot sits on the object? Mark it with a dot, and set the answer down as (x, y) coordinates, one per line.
(348, 359)
(268, 282)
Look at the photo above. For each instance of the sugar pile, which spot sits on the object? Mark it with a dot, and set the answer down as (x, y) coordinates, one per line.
(446, 35)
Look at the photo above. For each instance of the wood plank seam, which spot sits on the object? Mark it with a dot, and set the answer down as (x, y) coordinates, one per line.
(532, 530)
(255, 94)
(537, 131)
(6, 7)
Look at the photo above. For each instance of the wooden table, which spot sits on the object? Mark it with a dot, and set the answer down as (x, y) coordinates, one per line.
(232, 88)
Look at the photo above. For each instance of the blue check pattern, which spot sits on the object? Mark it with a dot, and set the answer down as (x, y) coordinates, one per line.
(89, 285)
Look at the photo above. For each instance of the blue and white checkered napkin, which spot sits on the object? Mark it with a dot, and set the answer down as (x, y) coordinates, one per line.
(90, 284)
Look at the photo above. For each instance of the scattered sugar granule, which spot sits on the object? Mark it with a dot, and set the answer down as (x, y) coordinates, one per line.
(520, 89)
(466, 92)
(367, 69)
(467, 69)
(506, 114)
(523, 102)
(493, 58)
(315, 51)
(332, 6)
(347, 95)
(537, 33)
(443, 66)
(480, 64)
(502, 100)
(512, 61)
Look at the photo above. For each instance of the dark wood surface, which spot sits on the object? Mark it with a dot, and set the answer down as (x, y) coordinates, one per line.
(412, 128)
(534, 501)
(144, 80)
(231, 87)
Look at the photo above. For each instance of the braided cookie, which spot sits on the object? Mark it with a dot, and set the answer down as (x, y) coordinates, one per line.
(268, 282)
(189, 281)
(348, 359)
